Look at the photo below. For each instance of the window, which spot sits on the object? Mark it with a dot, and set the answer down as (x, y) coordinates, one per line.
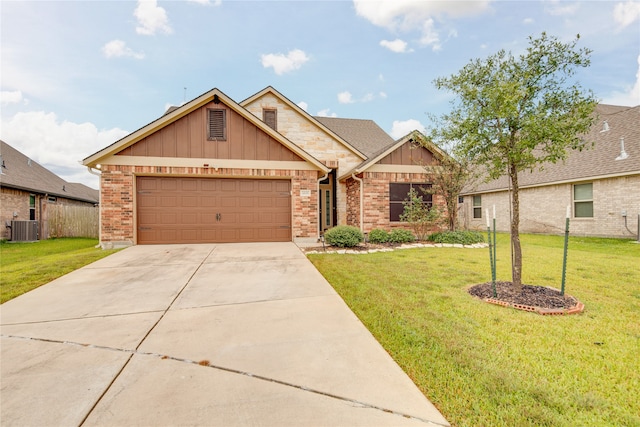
(217, 121)
(32, 207)
(270, 117)
(399, 193)
(477, 206)
(583, 200)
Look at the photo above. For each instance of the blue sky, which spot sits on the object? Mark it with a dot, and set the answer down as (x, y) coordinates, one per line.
(79, 75)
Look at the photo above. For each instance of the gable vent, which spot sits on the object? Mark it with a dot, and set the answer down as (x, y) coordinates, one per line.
(217, 125)
(270, 117)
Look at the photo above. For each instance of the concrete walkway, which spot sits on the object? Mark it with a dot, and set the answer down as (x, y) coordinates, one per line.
(209, 335)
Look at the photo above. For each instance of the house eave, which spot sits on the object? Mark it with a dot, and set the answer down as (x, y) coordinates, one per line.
(550, 183)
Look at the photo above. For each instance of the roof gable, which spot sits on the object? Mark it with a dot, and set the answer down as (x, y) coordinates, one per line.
(20, 172)
(405, 152)
(269, 90)
(171, 117)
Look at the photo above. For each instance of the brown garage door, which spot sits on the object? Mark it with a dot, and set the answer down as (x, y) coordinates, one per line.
(201, 210)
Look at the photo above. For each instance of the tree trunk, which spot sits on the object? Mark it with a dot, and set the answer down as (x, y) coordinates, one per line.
(516, 264)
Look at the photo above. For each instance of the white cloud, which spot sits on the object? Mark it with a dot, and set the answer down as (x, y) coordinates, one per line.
(528, 21)
(345, 97)
(411, 15)
(430, 37)
(626, 13)
(303, 105)
(118, 48)
(560, 8)
(401, 128)
(206, 2)
(284, 63)
(151, 18)
(397, 45)
(58, 145)
(326, 113)
(11, 97)
(631, 97)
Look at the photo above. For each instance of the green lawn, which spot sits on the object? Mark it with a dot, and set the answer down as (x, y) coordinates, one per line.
(25, 266)
(485, 365)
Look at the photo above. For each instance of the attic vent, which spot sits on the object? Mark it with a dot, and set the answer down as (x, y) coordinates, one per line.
(623, 154)
(270, 117)
(217, 130)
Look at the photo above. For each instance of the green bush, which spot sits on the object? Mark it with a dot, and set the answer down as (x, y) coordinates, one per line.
(343, 236)
(399, 235)
(378, 235)
(461, 237)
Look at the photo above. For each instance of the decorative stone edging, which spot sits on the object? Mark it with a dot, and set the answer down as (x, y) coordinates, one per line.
(578, 308)
(331, 250)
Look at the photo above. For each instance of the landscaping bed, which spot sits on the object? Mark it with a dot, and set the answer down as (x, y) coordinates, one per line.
(540, 299)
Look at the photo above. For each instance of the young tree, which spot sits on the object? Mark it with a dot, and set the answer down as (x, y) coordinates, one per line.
(516, 113)
(448, 179)
(421, 216)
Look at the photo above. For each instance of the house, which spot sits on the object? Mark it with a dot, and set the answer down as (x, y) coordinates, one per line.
(28, 191)
(600, 185)
(263, 169)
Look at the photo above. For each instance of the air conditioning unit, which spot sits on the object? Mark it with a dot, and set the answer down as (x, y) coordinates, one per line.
(24, 231)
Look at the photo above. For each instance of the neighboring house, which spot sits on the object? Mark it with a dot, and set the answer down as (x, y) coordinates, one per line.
(27, 189)
(601, 185)
(263, 169)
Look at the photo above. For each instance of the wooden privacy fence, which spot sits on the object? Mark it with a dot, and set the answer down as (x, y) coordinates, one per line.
(71, 221)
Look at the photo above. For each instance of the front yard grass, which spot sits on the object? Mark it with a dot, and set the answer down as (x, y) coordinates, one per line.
(485, 365)
(25, 266)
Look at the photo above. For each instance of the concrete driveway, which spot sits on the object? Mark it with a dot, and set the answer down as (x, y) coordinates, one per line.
(210, 335)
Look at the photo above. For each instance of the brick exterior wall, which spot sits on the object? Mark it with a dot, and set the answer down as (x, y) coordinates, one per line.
(118, 201)
(310, 138)
(17, 201)
(376, 199)
(543, 209)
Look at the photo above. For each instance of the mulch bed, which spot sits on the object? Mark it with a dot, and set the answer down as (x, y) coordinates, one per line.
(532, 298)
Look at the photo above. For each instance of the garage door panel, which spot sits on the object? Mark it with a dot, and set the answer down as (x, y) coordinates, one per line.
(228, 202)
(212, 210)
(168, 218)
(189, 201)
(188, 185)
(228, 186)
(168, 201)
(208, 201)
(169, 185)
(188, 218)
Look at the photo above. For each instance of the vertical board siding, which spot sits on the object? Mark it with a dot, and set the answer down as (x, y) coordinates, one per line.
(187, 137)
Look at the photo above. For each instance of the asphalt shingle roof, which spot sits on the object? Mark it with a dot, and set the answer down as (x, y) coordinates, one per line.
(598, 161)
(19, 171)
(364, 135)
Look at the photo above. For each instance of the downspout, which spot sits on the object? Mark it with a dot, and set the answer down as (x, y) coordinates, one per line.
(353, 175)
(98, 174)
(320, 202)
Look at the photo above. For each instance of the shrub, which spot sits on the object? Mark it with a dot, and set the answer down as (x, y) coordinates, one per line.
(421, 216)
(399, 235)
(378, 235)
(343, 236)
(461, 237)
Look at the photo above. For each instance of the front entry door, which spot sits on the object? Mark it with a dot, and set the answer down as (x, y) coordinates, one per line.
(326, 198)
